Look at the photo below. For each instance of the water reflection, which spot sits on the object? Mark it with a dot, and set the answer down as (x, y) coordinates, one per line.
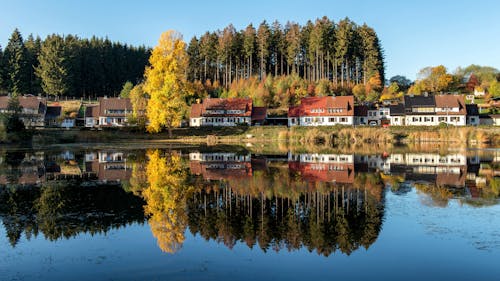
(322, 202)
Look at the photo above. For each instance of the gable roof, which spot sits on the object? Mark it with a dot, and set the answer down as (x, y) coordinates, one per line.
(450, 101)
(92, 111)
(360, 110)
(419, 101)
(397, 109)
(241, 104)
(27, 102)
(106, 104)
(309, 105)
(196, 109)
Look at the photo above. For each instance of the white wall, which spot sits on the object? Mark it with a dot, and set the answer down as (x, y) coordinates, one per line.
(433, 120)
(321, 121)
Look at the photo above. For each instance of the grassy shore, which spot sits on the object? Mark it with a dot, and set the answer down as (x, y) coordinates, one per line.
(302, 136)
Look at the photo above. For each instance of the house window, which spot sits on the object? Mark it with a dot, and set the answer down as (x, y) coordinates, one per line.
(455, 119)
(441, 119)
(343, 119)
(332, 119)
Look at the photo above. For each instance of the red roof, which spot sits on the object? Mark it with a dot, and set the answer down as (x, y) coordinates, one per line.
(196, 110)
(324, 106)
(208, 106)
(324, 172)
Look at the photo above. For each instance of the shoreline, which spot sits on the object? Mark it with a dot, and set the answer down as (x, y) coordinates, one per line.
(320, 136)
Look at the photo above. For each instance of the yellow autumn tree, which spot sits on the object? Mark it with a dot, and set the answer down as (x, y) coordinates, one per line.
(165, 199)
(139, 101)
(165, 82)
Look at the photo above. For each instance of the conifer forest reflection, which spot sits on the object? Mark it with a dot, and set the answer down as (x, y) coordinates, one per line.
(323, 203)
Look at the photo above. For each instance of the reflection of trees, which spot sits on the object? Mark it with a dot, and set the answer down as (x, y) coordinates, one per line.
(165, 197)
(330, 218)
(65, 209)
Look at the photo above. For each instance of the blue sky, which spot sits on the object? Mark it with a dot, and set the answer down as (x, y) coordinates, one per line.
(414, 34)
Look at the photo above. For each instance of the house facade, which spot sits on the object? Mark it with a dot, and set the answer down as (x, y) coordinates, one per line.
(429, 110)
(91, 116)
(322, 111)
(33, 110)
(226, 112)
(114, 112)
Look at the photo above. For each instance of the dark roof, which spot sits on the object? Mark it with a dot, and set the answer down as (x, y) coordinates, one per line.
(259, 113)
(397, 109)
(92, 111)
(360, 110)
(472, 109)
(53, 112)
(114, 104)
(419, 101)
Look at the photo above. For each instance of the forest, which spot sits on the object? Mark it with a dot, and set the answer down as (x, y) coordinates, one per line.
(320, 57)
(69, 66)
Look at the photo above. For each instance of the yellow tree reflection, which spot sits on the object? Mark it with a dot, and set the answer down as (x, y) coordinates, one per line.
(165, 200)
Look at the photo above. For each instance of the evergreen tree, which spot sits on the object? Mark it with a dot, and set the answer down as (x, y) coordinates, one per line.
(16, 58)
(263, 34)
(2, 72)
(54, 67)
(33, 47)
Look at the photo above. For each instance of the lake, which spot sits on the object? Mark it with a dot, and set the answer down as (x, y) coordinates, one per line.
(230, 213)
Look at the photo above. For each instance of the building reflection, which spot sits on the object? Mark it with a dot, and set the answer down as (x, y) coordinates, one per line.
(322, 202)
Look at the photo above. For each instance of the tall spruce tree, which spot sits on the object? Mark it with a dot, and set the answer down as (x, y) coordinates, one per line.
(33, 47)
(54, 67)
(16, 58)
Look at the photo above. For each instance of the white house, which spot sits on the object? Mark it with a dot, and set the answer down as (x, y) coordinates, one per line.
(322, 111)
(226, 112)
(428, 110)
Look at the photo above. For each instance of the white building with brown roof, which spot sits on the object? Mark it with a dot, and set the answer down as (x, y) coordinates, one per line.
(428, 110)
(33, 109)
(226, 112)
(322, 111)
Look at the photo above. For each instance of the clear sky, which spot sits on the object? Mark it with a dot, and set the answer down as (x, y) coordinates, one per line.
(414, 33)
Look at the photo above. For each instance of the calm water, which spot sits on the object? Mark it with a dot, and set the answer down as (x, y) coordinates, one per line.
(224, 213)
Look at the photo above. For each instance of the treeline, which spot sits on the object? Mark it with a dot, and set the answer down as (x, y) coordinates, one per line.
(344, 53)
(69, 65)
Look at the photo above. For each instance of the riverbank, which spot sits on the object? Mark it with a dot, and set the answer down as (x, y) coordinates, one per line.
(323, 136)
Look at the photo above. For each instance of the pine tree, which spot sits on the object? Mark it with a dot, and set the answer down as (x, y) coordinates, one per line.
(16, 58)
(33, 47)
(263, 34)
(54, 66)
(249, 38)
(2, 72)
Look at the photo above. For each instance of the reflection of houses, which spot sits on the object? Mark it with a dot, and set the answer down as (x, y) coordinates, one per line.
(445, 170)
(33, 109)
(221, 165)
(335, 168)
(28, 171)
(109, 166)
